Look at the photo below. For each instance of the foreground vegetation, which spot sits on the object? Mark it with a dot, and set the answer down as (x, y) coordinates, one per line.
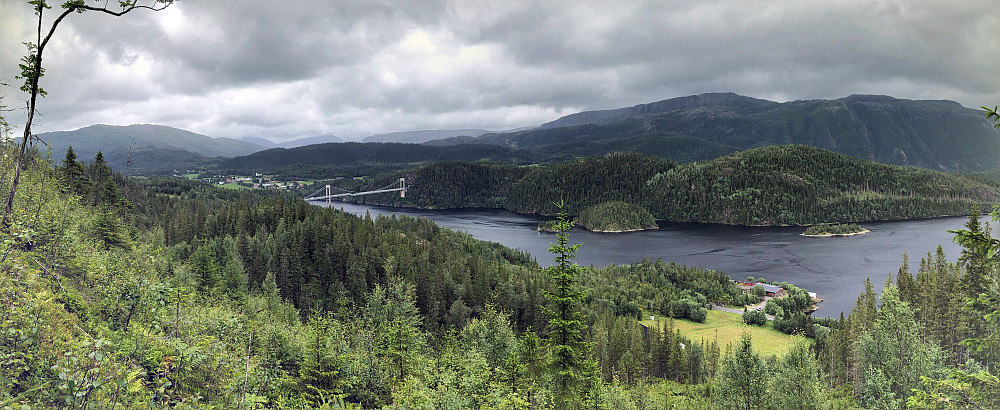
(782, 185)
(174, 293)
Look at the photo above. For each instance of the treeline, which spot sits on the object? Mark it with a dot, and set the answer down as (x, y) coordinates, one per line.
(581, 182)
(350, 159)
(320, 258)
(780, 185)
(833, 229)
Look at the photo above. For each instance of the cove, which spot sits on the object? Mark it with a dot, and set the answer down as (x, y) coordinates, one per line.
(835, 268)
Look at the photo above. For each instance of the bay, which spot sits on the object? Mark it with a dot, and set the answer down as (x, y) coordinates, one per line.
(835, 267)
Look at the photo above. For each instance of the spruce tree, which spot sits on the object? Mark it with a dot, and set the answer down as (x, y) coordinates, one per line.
(566, 346)
(74, 174)
(976, 269)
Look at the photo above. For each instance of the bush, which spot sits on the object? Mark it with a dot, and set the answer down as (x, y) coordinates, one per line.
(698, 315)
(771, 307)
(754, 318)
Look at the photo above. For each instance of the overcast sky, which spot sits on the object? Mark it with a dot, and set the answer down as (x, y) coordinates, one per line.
(295, 68)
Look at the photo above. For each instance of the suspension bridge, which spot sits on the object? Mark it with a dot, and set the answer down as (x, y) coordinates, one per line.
(328, 191)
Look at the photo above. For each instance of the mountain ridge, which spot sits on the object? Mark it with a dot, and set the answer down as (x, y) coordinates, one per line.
(87, 141)
(421, 136)
(934, 134)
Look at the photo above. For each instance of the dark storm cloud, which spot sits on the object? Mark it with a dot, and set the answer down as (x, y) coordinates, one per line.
(353, 68)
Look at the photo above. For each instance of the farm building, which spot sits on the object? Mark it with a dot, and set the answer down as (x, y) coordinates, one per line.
(769, 290)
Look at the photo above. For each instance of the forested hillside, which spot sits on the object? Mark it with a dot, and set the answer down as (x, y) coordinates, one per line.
(172, 293)
(940, 135)
(352, 159)
(781, 185)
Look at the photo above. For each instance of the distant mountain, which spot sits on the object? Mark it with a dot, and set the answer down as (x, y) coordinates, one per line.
(264, 142)
(301, 142)
(674, 104)
(161, 146)
(355, 158)
(941, 135)
(417, 137)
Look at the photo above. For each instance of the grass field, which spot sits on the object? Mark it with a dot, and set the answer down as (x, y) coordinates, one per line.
(766, 340)
(191, 176)
(233, 186)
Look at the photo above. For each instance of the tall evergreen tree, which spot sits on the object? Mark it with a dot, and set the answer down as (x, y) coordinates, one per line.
(73, 173)
(974, 259)
(566, 346)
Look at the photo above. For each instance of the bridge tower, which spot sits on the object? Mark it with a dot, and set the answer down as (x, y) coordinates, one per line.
(402, 187)
(328, 197)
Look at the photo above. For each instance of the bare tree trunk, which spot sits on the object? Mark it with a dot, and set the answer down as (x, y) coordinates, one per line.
(36, 72)
(35, 75)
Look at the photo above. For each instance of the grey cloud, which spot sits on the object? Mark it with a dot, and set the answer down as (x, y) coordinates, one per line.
(357, 67)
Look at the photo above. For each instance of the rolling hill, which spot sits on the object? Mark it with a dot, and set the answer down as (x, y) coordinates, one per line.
(158, 146)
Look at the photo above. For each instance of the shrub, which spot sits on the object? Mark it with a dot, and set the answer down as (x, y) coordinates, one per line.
(754, 318)
(698, 315)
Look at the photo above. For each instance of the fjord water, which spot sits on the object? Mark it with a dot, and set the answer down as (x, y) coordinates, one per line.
(835, 268)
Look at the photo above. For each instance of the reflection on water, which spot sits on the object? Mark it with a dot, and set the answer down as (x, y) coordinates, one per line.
(832, 267)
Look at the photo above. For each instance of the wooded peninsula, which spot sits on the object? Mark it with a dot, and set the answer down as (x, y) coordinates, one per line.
(771, 186)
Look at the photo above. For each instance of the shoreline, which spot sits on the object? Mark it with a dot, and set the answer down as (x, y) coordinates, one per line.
(830, 235)
(623, 231)
(658, 220)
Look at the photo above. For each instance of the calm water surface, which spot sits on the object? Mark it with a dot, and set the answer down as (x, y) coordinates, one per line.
(832, 267)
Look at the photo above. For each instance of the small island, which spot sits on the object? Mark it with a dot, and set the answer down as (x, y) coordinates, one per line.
(827, 230)
(616, 216)
(547, 226)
